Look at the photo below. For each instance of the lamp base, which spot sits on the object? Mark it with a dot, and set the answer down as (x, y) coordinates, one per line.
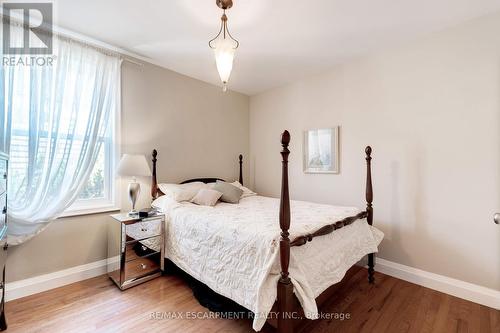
(134, 189)
(133, 213)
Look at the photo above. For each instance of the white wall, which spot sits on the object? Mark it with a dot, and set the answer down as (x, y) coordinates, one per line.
(430, 110)
(198, 131)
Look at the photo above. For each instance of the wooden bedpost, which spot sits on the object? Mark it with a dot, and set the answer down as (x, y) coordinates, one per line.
(241, 169)
(285, 288)
(154, 183)
(369, 208)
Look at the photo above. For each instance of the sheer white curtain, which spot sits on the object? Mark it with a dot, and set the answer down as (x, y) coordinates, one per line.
(59, 114)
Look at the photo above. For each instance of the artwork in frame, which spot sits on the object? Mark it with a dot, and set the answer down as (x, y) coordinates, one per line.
(321, 150)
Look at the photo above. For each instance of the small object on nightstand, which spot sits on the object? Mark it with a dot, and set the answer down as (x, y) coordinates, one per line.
(147, 212)
(136, 249)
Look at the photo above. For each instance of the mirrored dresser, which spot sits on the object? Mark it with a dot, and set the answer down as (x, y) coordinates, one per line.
(135, 249)
(4, 160)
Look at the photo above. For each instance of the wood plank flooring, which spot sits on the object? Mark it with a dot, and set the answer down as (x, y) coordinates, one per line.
(96, 305)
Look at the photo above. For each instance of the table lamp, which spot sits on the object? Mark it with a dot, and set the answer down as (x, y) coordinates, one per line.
(133, 166)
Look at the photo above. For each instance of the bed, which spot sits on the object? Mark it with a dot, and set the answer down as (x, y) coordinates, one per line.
(251, 253)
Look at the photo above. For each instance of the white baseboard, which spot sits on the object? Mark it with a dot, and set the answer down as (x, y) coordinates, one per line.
(37, 284)
(454, 287)
(465, 290)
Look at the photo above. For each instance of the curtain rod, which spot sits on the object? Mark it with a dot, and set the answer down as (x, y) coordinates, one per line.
(81, 39)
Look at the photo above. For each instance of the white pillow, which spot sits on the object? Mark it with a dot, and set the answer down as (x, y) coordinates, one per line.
(164, 204)
(181, 192)
(246, 191)
(206, 197)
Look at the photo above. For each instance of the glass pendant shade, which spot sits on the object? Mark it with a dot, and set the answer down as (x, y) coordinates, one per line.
(224, 50)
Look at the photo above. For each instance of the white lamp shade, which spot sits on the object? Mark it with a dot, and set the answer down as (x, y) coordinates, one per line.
(224, 50)
(134, 166)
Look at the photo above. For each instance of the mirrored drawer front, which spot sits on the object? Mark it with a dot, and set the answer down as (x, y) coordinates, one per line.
(3, 186)
(3, 203)
(140, 267)
(3, 176)
(3, 210)
(3, 253)
(143, 229)
(3, 183)
(149, 247)
(3, 167)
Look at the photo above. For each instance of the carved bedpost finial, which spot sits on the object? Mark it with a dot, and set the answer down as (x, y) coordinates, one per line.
(154, 184)
(368, 152)
(285, 139)
(241, 168)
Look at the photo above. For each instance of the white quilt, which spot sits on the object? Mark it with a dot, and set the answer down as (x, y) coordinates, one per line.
(234, 249)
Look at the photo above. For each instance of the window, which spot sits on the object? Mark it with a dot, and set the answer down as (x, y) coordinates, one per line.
(100, 192)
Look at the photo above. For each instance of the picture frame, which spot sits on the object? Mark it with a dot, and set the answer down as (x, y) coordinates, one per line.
(321, 150)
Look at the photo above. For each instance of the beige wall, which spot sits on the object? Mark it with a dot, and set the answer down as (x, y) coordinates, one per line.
(430, 109)
(198, 131)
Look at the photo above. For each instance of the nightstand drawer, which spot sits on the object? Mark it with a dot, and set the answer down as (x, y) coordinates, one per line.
(3, 203)
(146, 248)
(3, 176)
(3, 185)
(143, 229)
(140, 267)
(3, 255)
(3, 210)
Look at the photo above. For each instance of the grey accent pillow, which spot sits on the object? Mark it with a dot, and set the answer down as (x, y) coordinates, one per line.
(230, 193)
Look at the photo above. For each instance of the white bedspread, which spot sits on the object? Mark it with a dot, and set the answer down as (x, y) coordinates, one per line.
(234, 249)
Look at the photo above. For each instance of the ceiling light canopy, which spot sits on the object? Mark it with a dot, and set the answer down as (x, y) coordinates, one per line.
(224, 45)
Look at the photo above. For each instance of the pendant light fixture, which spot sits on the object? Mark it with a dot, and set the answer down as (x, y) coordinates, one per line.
(224, 45)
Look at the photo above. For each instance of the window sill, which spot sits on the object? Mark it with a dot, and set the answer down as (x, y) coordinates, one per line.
(89, 211)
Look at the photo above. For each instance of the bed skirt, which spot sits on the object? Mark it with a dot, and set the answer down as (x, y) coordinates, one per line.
(223, 306)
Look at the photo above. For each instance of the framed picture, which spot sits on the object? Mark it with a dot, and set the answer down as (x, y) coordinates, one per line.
(321, 150)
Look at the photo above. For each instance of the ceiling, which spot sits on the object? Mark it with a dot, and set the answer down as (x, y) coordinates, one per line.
(280, 40)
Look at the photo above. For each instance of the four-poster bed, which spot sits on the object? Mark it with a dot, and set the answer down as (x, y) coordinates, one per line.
(287, 305)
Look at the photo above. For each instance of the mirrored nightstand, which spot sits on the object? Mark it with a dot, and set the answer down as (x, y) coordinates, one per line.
(135, 249)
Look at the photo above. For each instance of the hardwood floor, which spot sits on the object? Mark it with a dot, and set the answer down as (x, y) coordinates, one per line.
(96, 305)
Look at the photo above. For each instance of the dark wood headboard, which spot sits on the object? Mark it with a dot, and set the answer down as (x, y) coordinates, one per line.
(203, 180)
(155, 191)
